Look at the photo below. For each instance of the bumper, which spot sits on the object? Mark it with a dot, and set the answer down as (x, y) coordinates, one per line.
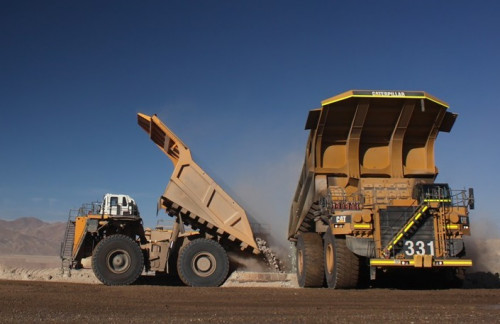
(421, 261)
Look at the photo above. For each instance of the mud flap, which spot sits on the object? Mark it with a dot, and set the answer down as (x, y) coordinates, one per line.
(361, 246)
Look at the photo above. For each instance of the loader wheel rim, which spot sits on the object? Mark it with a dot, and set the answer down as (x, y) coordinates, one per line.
(300, 260)
(118, 261)
(330, 258)
(204, 264)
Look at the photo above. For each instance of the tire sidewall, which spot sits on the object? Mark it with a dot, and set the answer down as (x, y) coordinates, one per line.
(117, 243)
(187, 273)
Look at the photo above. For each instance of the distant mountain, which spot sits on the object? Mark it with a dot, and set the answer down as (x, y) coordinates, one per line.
(30, 235)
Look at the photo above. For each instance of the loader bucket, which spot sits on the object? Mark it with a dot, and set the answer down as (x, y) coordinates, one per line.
(193, 195)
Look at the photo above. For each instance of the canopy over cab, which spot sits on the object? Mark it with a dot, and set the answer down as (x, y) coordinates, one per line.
(367, 133)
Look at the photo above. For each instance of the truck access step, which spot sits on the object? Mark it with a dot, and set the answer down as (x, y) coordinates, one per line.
(193, 196)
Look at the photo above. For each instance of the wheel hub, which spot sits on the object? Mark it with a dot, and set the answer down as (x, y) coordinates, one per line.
(300, 262)
(330, 258)
(204, 264)
(118, 261)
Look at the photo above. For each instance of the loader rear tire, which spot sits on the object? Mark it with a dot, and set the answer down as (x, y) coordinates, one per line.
(117, 260)
(342, 267)
(203, 263)
(310, 271)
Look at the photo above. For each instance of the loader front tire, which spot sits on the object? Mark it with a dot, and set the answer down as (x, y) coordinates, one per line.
(310, 271)
(203, 263)
(342, 267)
(117, 260)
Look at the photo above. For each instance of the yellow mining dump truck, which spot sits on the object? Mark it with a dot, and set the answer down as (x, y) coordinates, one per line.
(367, 199)
(112, 234)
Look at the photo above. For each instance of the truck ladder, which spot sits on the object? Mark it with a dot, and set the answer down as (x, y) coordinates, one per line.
(415, 220)
(441, 232)
(440, 203)
(67, 245)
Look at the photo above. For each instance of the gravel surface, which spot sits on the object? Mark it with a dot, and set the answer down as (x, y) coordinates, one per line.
(30, 301)
(37, 291)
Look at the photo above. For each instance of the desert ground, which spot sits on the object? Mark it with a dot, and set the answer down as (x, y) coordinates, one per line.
(30, 301)
(34, 289)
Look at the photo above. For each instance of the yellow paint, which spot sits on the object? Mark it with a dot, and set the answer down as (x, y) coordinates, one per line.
(350, 94)
(80, 231)
(397, 263)
(409, 226)
(391, 262)
(362, 226)
(381, 262)
(453, 226)
(461, 263)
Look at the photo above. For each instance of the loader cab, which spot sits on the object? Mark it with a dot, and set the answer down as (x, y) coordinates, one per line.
(119, 205)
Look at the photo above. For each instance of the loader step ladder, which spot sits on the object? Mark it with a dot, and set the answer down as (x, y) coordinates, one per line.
(412, 223)
(67, 245)
(442, 234)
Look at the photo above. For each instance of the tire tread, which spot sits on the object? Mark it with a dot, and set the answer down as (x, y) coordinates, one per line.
(138, 266)
(313, 273)
(187, 278)
(346, 273)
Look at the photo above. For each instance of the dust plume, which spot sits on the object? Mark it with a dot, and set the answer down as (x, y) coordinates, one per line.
(483, 246)
(246, 263)
(267, 194)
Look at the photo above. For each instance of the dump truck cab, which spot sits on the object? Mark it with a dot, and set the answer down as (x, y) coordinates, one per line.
(117, 205)
(367, 194)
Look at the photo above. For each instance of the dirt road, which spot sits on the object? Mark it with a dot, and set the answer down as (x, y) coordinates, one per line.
(28, 301)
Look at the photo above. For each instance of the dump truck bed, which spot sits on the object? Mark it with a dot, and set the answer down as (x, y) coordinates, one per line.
(193, 195)
(365, 134)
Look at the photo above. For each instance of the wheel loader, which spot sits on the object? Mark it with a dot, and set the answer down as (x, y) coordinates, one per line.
(367, 202)
(112, 235)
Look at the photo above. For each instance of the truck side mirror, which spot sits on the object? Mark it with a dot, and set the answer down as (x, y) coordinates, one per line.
(471, 198)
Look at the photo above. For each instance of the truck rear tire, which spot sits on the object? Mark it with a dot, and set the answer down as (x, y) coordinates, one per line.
(342, 267)
(203, 263)
(117, 260)
(310, 271)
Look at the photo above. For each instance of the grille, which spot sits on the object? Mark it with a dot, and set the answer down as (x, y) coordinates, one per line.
(393, 219)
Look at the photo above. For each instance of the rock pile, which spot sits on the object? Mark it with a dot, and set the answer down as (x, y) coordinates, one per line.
(269, 256)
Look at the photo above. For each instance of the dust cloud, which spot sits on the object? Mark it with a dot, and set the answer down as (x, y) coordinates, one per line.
(483, 246)
(266, 196)
(246, 263)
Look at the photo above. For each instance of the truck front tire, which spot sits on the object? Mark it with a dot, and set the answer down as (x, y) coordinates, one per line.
(117, 260)
(310, 271)
(203, 263)
(342, 267)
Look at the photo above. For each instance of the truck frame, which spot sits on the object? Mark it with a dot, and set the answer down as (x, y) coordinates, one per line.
(112, 234)
(367, 200)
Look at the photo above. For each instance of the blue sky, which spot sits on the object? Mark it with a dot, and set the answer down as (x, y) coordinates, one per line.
(235, 80)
